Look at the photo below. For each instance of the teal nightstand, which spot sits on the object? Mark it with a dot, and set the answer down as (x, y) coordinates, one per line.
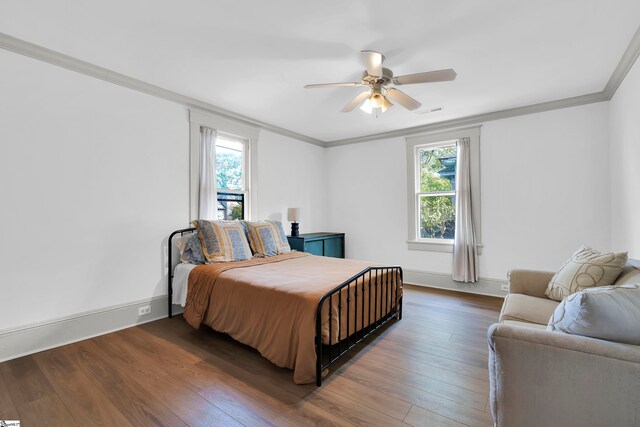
(324, 244)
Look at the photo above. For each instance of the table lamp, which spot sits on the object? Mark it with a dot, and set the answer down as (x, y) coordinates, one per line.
(294, 215)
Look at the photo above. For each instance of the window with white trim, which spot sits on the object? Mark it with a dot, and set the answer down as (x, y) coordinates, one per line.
(436, 190)
(231, 176)
(236, 162)
(431, 187)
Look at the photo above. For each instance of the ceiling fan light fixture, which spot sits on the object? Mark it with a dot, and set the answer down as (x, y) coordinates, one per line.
(377, 78)
(367, 107)
(376, 103)
(377, 99)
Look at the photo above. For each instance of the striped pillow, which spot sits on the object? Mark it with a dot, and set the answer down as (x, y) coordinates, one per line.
(267, 238)
(223, 240)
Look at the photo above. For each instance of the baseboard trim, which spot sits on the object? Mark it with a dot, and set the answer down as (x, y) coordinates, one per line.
(484, 286)
(33, 338)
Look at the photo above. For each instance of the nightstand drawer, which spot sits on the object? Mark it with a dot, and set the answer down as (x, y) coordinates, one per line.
(315, 247)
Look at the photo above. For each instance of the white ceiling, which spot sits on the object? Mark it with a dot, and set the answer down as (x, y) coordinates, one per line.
(254, 57)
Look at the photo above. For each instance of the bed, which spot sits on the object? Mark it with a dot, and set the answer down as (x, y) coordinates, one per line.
(300, 311)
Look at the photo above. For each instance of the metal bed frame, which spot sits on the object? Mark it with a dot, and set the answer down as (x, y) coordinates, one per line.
(382, 281)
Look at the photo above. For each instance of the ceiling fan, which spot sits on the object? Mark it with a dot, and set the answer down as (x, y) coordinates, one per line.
(377, 78)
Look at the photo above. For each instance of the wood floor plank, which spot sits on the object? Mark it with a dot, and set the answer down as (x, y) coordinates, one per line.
(427, 400)
(415, 367)
(478, 360)
(416, 336)
(350, 411)
(448, 391)
(26, 380)
(87, 404)
(46, 411)
(427, 369)
(441, 362)
(419, 417)
(369, 397)
(138, 406)
(8, 410)
(172, 392)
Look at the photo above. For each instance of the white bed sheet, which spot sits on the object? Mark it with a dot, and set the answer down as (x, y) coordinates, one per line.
(180, 283)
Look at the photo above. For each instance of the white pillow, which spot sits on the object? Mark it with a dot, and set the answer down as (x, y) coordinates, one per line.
(610, 313)
(586, 268)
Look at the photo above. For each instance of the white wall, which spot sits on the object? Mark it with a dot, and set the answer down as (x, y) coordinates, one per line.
(624, 116)
(93, 177)
(545, 182)
(291, 174)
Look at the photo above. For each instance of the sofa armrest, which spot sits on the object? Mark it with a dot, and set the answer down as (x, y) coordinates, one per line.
(529, 282)
(550, 378)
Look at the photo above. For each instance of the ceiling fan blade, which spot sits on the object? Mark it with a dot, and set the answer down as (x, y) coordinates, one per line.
(372, 61)
(359, 99)
(345, 84)
(403, 99)
(427, 77)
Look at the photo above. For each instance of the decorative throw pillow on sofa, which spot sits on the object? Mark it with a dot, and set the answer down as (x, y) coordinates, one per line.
(585, 269)
(223, 240)
(610, 313)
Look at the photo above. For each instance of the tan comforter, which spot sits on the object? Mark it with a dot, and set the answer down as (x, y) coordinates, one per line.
(270, 304)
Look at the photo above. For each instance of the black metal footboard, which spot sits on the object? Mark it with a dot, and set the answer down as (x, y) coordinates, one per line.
(170, 264)
(372, 298)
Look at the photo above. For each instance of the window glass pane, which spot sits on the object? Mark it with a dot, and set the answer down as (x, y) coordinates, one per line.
(229, 162)
(437, 217)
(437, 169)
(230, 206)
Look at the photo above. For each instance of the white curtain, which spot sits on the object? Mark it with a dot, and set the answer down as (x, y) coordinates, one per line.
(207, 191)
(465, 253)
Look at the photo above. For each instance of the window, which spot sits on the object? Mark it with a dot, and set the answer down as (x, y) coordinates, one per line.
(436, 197)
(431, 188)
(236, 160)
(231, 176)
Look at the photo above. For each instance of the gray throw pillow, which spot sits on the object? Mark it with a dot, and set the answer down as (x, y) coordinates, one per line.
(609, 313)
(190, 249)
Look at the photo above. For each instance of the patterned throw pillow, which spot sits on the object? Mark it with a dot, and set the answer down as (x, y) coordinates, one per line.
(267, 238)
(223, 240)
(587, 268)
(610, 313)
(190, 249)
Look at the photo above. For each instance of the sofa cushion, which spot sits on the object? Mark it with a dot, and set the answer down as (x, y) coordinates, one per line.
(523, 324)
(586, 268)
(629, 275)
(610, 313)
(525, 308)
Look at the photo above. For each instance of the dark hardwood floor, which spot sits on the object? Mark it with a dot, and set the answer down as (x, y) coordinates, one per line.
(428, 369)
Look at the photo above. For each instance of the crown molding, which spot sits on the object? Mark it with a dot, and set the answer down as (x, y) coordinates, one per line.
(626, 62)
(476, 119)
(34, 51)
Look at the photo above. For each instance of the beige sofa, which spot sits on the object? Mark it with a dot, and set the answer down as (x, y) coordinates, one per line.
(541, 378)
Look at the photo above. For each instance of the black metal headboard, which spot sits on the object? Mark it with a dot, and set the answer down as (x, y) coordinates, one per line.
(170, 263)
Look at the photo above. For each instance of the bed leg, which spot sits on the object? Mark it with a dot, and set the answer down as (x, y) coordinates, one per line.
(400, 309)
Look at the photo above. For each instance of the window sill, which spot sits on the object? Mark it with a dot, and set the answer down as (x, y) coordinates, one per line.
(414, 245)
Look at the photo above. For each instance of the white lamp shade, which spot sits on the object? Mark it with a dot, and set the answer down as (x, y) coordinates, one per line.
(294, 214)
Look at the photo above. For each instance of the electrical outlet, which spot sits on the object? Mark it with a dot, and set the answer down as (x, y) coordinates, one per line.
(144, 310)
(504, 287)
